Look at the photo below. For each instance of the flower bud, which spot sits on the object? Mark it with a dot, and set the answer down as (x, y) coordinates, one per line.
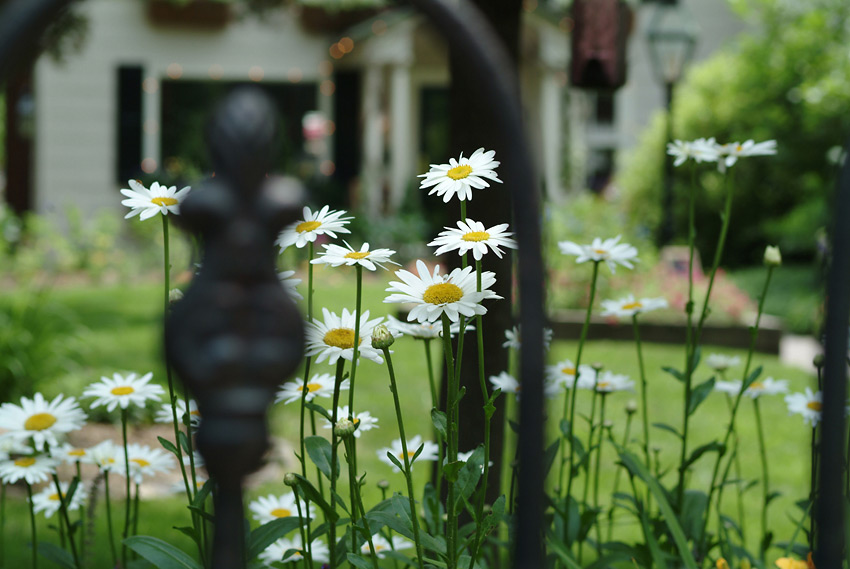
(722, 564)
(383, 484)
(290, 479)
(631, 407)
(344, 428)
(597, 366)
(174, 295)
(772, 256)
(745, 563)
(381, 337)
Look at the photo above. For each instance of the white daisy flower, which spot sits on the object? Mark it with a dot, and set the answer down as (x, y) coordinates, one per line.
(10, 446)
(271, 507)
(807, 404)
(164, 415)
(731, 388)
(145, 461)
(720, 362)
(465, 456)
(563, 374)
(323, 222)
(180, 488)
(429, 452)
(362, 419)
(149, 202)
(334, 255)
(701, 150)
(197, 458)
(275, 552)
(289, 285)
(37, 420)
(70, 454)
(31, 468)
(435, 295)
(461, 175)
(609, 382)
(123, 391)
(506, 382)
(49, 502)
(769, 386)
(106, 455)
(610, 250)
(472, 236)
(730, 152)
(320, 385)
(333, 337)
(513, 338)
(627, 306)
(382, 545)
(422, 330)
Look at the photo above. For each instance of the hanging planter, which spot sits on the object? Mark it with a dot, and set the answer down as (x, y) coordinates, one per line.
(205, 14)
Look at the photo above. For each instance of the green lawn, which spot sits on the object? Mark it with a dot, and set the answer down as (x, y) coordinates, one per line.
(121, 331)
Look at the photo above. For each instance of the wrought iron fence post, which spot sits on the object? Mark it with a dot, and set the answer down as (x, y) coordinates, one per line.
(235, 336)
(830, 501)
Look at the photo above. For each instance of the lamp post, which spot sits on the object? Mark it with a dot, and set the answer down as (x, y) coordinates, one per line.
(671, 36)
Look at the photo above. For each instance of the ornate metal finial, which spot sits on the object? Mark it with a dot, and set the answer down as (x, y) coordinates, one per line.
(235, 336)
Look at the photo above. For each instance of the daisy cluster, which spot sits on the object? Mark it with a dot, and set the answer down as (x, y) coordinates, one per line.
(725, 155)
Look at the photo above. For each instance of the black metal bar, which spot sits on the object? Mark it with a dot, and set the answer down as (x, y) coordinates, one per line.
(472, 38)
(21, 25)
(830, 502)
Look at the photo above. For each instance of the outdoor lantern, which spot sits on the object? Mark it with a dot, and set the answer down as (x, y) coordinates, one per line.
(600, 31)
(672, 35)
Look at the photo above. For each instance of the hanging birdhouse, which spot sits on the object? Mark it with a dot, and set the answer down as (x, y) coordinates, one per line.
(599, 36)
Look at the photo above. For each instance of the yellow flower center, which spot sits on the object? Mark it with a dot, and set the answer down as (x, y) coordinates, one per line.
(123, 390)
(77, 452)
(357, 255)
(164, 201)
(305, 226)
(281, 513)
(476, 236)
(141, 462)
(459, 172)
(341, 338)
(54, 497)
(311, 387)
(600, 251)
(39, 422)
(632, 305)
(602, 385)
(568, 370)
(756, 385)
(196, 413)
(25, 462)
(410, 454)
(814, 405)
(442, 293)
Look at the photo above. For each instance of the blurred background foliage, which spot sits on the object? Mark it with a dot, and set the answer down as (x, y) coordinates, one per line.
(787, 79)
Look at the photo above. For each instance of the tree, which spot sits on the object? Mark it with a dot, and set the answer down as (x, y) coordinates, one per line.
(789, 81)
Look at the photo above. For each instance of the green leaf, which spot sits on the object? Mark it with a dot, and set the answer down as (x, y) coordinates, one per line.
(358, 561)
(675, 373)
(314, 496)
(321, 453)
(320, 410)
(56, 554)
(667, 513)
(469, 475)
(713, 446)
(751, 379)
(188, 531)
(161, 555)
(268, 533)
(658, 561)
(201, 495)
(549, 456)
(668, 428)
(167, 445)
(450, 470)
(440, 422)
(698, 395)
(561, 551)
(395, 460)
(184, 442)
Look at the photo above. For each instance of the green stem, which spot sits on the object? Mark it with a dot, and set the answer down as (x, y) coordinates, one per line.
(764, 470)
(304, 528)
(352, 465)
(588, 464)
(109, 519)
(598, 475)
(65, 519)
(136, 503)
(3, 525)
(408, 471)
(643, 392)
(435, 399)
(570, 426)
(32, 529)
(126, 531)
(82, 518)
(357, 505)
(340, 364)
(617, 478)
(451, 443)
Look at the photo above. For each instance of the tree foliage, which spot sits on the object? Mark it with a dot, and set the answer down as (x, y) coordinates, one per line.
(789, 79)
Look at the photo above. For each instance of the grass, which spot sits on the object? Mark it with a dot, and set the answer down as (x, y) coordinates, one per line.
(121, 331)
(796, 294)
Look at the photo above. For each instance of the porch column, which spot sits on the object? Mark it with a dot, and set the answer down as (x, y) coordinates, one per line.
(371, 182)
(401, 141)
(151, 121)
(551, 134)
